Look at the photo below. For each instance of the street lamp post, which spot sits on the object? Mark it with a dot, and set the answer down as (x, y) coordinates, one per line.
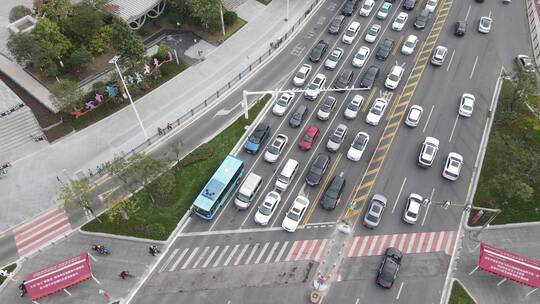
(115, 61)
(221, 16)
(287, 13)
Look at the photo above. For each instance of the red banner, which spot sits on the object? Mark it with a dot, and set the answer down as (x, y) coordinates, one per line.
(58, 277)
(509, 266)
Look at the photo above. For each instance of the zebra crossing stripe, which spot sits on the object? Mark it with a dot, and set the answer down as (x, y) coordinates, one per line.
(262, 252)
(402, 238)
(363, 246)
(241, 255)
(189, 258)
(438, 236)
(289, 255)
(428, 242)
(276, 244)
(322, 247)
(440, 239)
(229, 258)
(253, 250)
(201, 257)
(410, 241)
(353, 246)
(173, 267)
(281, 251)
(449, 245)
(169, 259)
(221, 256)
(393, 241)
(420, 243)
(310, 250)
(304, 250)
(381, 245)
(210, 257)
(372, 245)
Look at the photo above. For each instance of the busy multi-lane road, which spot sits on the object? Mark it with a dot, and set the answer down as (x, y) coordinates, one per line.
(388, 166)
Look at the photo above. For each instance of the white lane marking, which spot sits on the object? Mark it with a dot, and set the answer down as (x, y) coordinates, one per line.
(173, 267)
(241, 255)
(301, 250)
(288, 257)
(399, 291)
(372, 245)
(221, 255)
(191, 256)
(489, 14)
(229, 258)
(440, 240)
(427, 209)
(411, 243)
(420, 243)
(393, 240)
(430, 241)
(210, 257)
(276, 244)
(169, 260)
(468, 11)
(310, 250)
(253, 250)
(399, 194)
(320, 250)
(449, 242)
(427, 121)
(381, 245)
(353, 246)
(281, 251)
(201, 257)
(453, 128)
(474, 66)
(262, 252)
(228, 232)
(357, 301)
(363, 246)
(451, 58)
(402, 242)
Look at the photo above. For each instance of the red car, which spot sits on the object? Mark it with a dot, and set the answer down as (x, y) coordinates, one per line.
(309, 138)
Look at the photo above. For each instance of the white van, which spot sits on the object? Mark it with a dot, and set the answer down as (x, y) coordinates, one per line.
(286, 175)
(247, 192)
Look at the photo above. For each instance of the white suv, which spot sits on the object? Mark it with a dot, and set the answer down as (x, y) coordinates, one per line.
(351, 33)
(282, 104)
(295, 214)
(351, 111)
(394, 77)
(452, 167)
(337, 138)
(439, 55)
(428, 152)
(366, 8)
(376, 112)
(412, 210)
(313, 89)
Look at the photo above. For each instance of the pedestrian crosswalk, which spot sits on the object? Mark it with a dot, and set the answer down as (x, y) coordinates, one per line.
(41, 231)
(304, 250)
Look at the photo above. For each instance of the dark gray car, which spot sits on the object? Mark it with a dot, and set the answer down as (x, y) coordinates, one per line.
(344, 80)
(336, 25)
(318, 51)
(384, 49)
(368, 79)
(298, 116)
(421, 20)
(409, 4)
(317, 170)
(349, 7)
(333, 193)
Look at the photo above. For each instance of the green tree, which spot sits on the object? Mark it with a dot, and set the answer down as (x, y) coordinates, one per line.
(164, 185)
(83, 24)
(177, 149)
(66, 94)
(207, 12)
(126, 43)
(118, 167)
(143, 169)
(21, 46)
(19, 11)
(124, 209)
(511, 187)
(101, 40)
(229, 18)
(55, 10)
(49, 37)
(77, 195)
(79, 59)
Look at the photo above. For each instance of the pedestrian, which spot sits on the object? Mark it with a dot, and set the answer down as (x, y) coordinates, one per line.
(169, 126)
(159, 131)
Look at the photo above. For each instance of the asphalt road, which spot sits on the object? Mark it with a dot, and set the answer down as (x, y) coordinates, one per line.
(473, 65)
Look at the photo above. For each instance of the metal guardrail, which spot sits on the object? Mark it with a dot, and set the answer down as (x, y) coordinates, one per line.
(100, 170)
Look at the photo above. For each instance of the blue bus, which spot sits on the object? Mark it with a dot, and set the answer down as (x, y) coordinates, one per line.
(219, 187)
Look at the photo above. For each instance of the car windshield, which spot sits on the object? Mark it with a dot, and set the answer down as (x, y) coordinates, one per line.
(326, 107)
(393, 77)
(308, 138)
(485, 22)
(421, 18)
(400, 19)
(243, 198)
(409, 44)
(349, 33)
(411, 214)
(467, 107)
(377, 109)
(375, 208)
(332, 193)
(373, 31)
(300, 74)
(384, 8)
(283, 101)
(430, 150)
(353, 107)
(372, 218)
(266, 209)
(273, 150)
(313, 86)
(360, 56)
(366, 6)
(294, 214)
(360, 143)
(316, 169)
(336, 138)
(283, 178)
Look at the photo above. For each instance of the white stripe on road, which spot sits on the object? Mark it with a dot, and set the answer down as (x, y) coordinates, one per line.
(451, 58)
(190, 258)
(168, 260)
(399, 291)
(402, 242)
(299, 253)
(210, 257)
(427, 121)
(453, 128)
(411, 243)
(201, 257)
(229, 258)
(221, 255)
(241, 255)
(372, 245)
(419, 247)
(281, 251)
(363, 246)
(173, 267)
(427, 209)
(321, 249)
(393, 240)
(474, 66)
(288, 258)
(399, 194)
(439, 242)
(353, 246)
(468, 11)
(262, 252)
(276, 244)
(253, 250)
(310, 250)
(449, 242)
(430, 241)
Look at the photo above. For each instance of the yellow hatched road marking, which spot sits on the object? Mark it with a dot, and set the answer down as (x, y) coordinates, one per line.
(397, 45)
(364, 185)
(370, 172)
(368, 100)
(382, 148)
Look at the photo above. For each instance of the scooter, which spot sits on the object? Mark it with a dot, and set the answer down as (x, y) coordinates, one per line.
(22, 289)
(101, 249)
(153, 250)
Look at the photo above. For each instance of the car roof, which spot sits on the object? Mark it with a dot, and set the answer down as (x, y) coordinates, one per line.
(321, 158)
(412, 38)
(312, 130)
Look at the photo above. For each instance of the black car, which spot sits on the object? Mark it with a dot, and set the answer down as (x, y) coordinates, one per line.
(344, 80)
(333, 193)
(384, 49)
(421, 20)
(350, 7)
(460, 28)
(368, 79)
(298, 116)
(317, 169)
(318, 51)
(409, 4)
(336, 25)
(387, 272)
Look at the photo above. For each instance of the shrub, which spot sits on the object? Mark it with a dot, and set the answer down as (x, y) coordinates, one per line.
(155, 231)
(162, 52)
(19, 11)
(99, 86)
(229, 18)
(99, 42)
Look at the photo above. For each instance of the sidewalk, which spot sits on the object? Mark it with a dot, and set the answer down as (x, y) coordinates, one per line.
(483, 285)
(120, 132)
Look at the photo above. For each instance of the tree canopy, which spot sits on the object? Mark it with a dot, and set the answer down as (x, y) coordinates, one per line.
(207, 12)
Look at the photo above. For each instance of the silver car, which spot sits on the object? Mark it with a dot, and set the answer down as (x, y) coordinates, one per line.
(333, 59)
(373, 215)
(439, 55)
(336, 139)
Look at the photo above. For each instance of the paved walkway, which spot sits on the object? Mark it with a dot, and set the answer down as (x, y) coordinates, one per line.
(483, 285)
(120, 132)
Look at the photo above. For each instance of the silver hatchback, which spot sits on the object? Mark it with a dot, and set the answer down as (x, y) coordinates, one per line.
(337, 138)
(373, 215)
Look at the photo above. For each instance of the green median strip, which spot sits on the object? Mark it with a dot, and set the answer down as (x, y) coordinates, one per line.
(156, 220)
(459, 295)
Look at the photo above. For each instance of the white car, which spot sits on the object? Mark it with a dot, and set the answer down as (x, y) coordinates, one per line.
(302, 74)
(372, 33)
(409, 45)
(295, 214)
(400, 21)
(412, 209)
(384, 10)
(431, 5)
(326, 108)
(333, 59)
(337, 138)
(428, 152)
(413, 118)
(466, 106)
(267, 208)
(274, 150)
(282, 104)
(360, 57)
(452, 166)
(394, 77)
(366, 8)
(358, 146)
(351, 32)
(313, 89)
(376, 112)
(439, 55)
(484, 26)
(352, 109)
